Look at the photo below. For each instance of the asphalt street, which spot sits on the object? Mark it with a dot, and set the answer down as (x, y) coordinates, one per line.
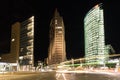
(58, 76)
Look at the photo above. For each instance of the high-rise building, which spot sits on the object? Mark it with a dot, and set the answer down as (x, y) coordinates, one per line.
(94, 36)
(26, 56)
(57, 48)
(21, 54)
(13, 56)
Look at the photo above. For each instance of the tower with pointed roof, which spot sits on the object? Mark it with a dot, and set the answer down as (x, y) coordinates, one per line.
(57, 49)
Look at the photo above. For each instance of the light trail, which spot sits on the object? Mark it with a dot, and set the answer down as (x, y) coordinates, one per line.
(81, 59)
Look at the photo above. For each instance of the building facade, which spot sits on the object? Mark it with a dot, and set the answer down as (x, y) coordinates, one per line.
(109, 49)
(26, 56)
(11, 59)
(94, 36)
(57, 48)
(21, 56)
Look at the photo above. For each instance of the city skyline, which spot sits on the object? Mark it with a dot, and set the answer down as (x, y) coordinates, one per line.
(73, 15)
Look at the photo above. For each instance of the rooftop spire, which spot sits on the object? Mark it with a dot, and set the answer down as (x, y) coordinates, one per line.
(56, 14)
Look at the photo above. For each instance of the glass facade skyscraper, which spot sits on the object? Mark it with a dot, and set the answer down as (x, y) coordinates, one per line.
(94, 35)
(26, 56)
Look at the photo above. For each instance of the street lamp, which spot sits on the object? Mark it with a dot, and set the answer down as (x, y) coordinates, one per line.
(72, 63)
(80, 62)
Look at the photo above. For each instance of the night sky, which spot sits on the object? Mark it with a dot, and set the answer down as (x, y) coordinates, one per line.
(73, 14)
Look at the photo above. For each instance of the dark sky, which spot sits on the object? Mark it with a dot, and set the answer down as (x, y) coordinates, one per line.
(73, 14)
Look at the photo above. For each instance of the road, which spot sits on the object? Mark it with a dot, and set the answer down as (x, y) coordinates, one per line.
(59, 76)
(28, 76)
(87, 76)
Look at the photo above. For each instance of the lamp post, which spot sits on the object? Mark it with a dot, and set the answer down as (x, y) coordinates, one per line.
(73, 63)
(80, 62)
